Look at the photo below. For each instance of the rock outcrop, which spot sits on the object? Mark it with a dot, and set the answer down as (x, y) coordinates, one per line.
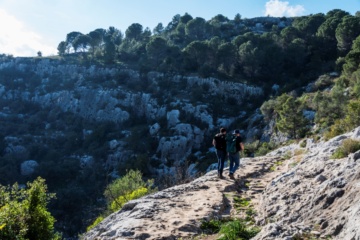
(318, 197)
(297, 193)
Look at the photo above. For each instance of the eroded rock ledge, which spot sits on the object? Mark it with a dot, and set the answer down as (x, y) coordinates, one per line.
(309, 194)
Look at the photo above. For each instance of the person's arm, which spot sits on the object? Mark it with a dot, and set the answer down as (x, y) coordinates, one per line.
(213, 142)
(242, 146)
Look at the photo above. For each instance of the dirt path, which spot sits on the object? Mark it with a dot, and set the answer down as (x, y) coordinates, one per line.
(250, 181)
(178, 212)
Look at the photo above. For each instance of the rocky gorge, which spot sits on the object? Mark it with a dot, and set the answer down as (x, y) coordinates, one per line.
(181, 116)
(297, 192)
(86, 125)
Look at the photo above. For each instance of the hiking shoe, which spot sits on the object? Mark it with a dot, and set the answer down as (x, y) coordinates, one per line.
(231, 176)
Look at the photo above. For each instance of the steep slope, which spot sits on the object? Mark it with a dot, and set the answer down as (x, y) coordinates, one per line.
(318, 198)
(296, 192)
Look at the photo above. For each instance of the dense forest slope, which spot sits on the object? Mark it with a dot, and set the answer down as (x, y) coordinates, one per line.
(152, 101)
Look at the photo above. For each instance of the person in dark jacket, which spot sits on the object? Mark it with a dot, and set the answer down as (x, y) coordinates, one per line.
(219, 143)
(235, 157)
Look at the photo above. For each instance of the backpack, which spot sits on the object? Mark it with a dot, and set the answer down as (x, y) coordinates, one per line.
(231, 143)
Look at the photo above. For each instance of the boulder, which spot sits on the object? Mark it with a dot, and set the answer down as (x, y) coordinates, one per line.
(28, 167)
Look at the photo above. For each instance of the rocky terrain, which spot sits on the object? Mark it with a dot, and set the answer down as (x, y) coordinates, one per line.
(178, 119)
(296, 192)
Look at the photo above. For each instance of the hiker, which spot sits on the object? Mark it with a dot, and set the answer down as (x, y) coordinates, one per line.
(234, 146)
(219, 143)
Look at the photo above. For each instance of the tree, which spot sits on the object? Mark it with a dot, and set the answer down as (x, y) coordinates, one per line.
(295, 57)
(250, 58)
(346, 32)
(196, 29)
(70, 37)
(195, 55)
(290, 116)
(288, 34)
(352, 118)
(173, 24)
(82, 42)
(226, 56)
(24, 212)
(337, 13)
(326, 35)
(352, 59)
(237, 18)
(145, 36)
(308, 25)
(156, 50)
(134, 31)
(113, 37)
(185, 18)
(62, 48)
(96, 38)
(158, 29)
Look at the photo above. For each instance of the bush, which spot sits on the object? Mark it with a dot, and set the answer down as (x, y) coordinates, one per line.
(303, 144)
(126, 185)
(118, 203)
(348, 146)
(129, 187)
(211, 227)
(265, 148)
(24, 212)
(336, 129)
(95, 223)
(237, 229)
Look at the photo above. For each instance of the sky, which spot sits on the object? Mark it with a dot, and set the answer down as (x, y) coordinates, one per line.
(29, 26)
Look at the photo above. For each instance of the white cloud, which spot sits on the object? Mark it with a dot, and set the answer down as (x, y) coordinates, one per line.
(277, 8)
(15, 39)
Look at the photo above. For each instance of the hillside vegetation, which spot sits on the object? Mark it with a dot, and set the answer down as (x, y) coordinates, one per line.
(115, 101)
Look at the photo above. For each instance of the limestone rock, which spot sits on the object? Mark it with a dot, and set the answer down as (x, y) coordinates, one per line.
(173, 117)
(169, 214)
(28, 167)
(325, 195)
(154, 129)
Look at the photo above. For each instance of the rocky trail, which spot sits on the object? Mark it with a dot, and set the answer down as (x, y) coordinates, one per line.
(294, 192)
(250, 182)
(177, 212)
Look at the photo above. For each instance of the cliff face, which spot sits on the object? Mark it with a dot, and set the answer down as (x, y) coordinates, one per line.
(308, 195)
(120, 95)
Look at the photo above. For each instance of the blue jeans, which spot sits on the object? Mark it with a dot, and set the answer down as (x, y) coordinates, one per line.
(221, 156)
(234, 162)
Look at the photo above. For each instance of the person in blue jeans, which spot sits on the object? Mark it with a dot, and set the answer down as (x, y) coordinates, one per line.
(219, 143)
(235, 157)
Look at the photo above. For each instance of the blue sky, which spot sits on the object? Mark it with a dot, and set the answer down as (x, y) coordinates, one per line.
(29, 26)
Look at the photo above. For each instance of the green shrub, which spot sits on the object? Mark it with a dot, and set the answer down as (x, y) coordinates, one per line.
(303, 143)
(237, 229)
(118, 203)
(241, 202)
(264, 148)
(129, 187)
(24, 212)
(95, 223)
(348, 146)
(211, 227)
(126, 185)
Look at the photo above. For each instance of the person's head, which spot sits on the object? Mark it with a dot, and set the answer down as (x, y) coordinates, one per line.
(223, 130)
(236, 132)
